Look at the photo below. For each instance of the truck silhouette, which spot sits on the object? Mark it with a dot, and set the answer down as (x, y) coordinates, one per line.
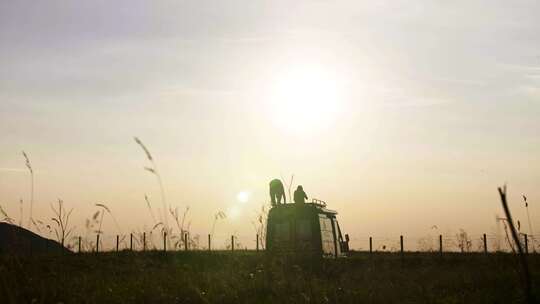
(308, 229)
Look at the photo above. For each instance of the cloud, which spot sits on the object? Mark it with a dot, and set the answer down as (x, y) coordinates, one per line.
(13, 170)
(175, 91)
(416, 102)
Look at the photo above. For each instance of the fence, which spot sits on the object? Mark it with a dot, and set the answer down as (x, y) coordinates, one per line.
(164, 242)
(444, 243)
(186, 242)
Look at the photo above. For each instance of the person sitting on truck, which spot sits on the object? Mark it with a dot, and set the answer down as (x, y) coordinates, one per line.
(277, 192)
(300, 196)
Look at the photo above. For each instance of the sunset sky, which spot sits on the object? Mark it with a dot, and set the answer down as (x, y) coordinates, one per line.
(401, 115)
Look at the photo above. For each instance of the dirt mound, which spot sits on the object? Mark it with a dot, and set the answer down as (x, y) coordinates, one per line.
(19, 241)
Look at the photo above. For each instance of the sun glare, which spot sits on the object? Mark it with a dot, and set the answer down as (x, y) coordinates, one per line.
(243, 197)
(305, 99)
(233, 212)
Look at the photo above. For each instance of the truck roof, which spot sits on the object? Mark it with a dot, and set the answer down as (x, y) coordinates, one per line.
(313, 207)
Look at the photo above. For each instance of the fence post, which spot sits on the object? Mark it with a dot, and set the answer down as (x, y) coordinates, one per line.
(165, 241)
(144, 241)
(401, 244)
(186, 241)
(131, 241)
(485, 244)
(79, 244)
(257, 247)
(526, 244)
(117, 240)
(370, 245)
(97, 243)
(232, 242)
(440, 245)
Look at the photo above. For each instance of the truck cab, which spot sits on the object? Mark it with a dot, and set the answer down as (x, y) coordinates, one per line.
(308, 229)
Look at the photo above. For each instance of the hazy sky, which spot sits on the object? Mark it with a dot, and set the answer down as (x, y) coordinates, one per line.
(402, 114)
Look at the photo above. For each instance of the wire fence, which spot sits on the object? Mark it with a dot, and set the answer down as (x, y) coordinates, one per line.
(164, 242)
(142, 241)
(444, 242)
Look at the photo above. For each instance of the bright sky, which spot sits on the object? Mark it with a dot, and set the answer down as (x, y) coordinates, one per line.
(402, 115)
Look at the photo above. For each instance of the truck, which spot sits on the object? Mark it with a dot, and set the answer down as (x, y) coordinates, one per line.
(307, 229)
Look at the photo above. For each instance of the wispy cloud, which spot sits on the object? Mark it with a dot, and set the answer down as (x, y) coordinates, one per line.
(13, 170)
(416, 102)
(197, 92)
(520, 67)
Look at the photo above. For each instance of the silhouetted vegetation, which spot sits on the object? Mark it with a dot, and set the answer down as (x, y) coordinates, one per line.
(248, 277)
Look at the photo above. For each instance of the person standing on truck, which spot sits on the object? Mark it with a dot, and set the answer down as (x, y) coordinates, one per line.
(300, 196)
(277, 192)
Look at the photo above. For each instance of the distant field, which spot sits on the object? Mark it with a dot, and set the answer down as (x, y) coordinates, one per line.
(249, 277)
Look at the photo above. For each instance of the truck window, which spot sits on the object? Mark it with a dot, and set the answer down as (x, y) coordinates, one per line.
(338, 235)
(327, 235)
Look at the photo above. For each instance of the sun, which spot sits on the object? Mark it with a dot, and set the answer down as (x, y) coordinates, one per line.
(243, 197)
(305, 99)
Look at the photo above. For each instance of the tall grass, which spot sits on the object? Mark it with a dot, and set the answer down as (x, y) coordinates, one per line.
(529, 220)
(5, 216)
(507, 236)
(147, 200)
(21, 204)
(29, 166)
(105, 208)
(180, 224)
(61, 219)
(90, 225)
(526, 276)
(153, 169)
(220, 215)
(463, 241)
(260, 225)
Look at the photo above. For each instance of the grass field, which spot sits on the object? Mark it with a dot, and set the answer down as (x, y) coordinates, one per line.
(249, 277)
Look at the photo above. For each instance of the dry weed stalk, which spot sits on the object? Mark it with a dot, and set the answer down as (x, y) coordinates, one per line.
(29, 166)
(36, 226)
(505, 227)
(21, 212)
(61, 219)
(180, 223)
(259, 225)
(90, 225)
(156, 226)
(5, 216)
(463, 241)
(529, 220)
(147, 200)
(153, 169)
(526, 277)
(104, 207)
(220, 215)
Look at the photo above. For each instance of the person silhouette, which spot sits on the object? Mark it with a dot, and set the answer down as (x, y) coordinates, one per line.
(300, 196)
(277, 192)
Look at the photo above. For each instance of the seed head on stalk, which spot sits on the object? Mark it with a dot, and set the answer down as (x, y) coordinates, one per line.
(105, 208)
(149, 207)
(153, 169)
(528, 217)
(220, 215)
